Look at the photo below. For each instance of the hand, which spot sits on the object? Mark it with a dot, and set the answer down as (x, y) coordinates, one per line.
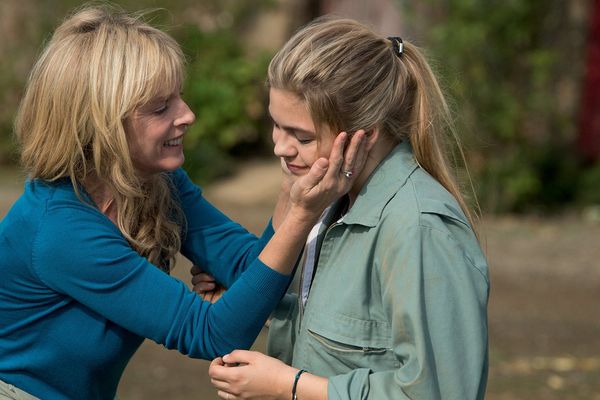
(288, 178)
(326, 182)
(254, 376)
(205, 285)
(283, 199)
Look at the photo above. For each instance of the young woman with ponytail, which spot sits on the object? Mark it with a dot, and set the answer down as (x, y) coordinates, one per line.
(390, 296)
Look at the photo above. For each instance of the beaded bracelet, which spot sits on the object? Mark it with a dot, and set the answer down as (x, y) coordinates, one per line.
(300, 372)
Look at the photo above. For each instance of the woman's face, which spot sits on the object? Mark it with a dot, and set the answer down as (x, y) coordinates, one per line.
(294, 133)
(155, 134)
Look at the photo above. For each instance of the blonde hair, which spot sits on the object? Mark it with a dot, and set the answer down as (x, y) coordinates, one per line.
(351, 79)
(99, 66)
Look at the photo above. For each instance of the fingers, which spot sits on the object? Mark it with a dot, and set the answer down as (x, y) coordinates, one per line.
(355, 155)
(347, 156)
(316, 173)
(204, 281)
(216, 362)
(195, 270)
(238, 357)
(224, 395)
(336, 157)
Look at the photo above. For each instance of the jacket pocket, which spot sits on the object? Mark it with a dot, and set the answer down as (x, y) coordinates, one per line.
(337, 344)
(345, 347)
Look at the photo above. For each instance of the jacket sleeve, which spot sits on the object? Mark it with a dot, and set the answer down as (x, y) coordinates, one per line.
(435, 295)
(78, 252)
(213, 241)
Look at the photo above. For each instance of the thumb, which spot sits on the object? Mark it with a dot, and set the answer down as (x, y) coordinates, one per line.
(316, 173)
(237, 357)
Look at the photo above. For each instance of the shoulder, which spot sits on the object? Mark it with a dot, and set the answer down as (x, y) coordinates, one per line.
(424, 202)
(69, 227)
(182, 181)
(424, 215)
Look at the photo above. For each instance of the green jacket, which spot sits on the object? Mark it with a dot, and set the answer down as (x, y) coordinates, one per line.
(398, 305)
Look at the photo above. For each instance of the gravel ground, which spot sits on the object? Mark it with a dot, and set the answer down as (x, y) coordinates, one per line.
(543, 318)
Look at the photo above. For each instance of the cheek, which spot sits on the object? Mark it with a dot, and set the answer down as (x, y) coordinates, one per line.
(325, 149)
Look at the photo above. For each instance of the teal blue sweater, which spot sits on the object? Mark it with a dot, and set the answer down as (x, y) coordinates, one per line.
(76, 301)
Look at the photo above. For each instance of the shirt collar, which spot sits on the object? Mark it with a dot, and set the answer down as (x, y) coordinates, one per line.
(385, 181)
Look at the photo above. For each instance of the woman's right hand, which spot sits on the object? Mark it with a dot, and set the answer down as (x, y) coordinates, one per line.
(326, 182)
(205, 285)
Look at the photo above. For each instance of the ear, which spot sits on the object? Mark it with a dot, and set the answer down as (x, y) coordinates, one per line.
(372, 137)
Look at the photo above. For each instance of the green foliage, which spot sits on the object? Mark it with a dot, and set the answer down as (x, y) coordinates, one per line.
(225, 88)
(508, 58)
(225, 85)
(589, 185)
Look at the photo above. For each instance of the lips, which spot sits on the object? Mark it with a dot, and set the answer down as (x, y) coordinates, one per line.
(296, 169)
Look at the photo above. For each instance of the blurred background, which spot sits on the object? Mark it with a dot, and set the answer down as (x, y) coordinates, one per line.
(523, 77)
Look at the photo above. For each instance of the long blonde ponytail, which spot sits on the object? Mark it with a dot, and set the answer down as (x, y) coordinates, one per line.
(431, 125)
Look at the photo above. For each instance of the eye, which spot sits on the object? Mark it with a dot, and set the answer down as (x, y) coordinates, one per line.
(304, 141)
(161, 109)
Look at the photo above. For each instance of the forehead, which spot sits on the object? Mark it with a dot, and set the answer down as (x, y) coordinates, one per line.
(285, 101)
(291, 111)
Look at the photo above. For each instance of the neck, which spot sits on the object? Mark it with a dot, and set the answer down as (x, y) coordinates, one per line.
(376, 155)
(100, 194)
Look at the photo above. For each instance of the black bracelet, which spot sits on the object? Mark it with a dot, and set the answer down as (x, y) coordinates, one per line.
(300, 372)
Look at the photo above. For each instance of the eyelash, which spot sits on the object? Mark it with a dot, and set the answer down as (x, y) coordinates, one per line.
(161, 110)
(301, 141)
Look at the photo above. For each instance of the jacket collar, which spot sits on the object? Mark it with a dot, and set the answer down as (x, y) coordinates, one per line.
(385, 181)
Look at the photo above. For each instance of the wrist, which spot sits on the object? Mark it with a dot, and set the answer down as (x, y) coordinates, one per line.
(295, 384)
(303, 216)
(287, 383)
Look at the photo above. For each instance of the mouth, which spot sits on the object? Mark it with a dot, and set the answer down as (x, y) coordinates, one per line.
(296, 169)
(174, 142)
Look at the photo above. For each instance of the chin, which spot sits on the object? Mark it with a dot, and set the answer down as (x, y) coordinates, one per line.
(172, 165)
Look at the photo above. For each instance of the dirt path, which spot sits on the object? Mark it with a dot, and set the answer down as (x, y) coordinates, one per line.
(543, 318)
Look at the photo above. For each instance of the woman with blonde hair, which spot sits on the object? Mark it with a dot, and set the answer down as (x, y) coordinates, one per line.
(105, 209)
(390, 296)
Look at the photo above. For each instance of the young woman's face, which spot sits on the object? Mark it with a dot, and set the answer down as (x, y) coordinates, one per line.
(155, 134)
(294, 133)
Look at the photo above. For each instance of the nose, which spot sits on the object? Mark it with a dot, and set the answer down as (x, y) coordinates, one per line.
(185, 116)
(283, 144)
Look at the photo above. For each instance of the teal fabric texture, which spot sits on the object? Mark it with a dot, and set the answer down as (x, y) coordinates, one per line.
(76, 300)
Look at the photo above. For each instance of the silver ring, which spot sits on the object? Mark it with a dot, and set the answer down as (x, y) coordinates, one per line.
(348, 174)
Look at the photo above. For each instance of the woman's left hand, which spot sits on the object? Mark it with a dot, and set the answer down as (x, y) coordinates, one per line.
(328, 179)
(251, 375)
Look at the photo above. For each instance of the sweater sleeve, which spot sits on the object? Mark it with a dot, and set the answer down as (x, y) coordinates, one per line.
(435, 298)
(213, 241)
(80, 253)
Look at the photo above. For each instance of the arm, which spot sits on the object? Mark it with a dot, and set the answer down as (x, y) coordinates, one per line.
(80, 254)
(211, 240)
(204, 283)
